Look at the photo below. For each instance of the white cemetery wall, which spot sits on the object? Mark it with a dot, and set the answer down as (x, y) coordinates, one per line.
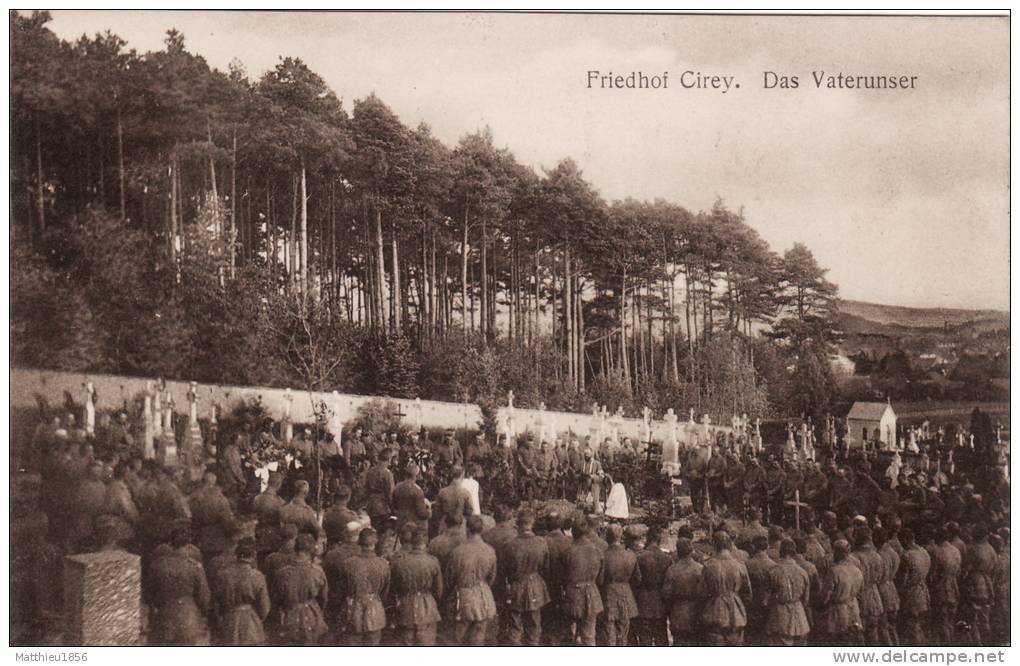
(114, 392)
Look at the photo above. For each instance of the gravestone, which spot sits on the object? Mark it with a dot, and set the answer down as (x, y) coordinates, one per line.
(102, 598)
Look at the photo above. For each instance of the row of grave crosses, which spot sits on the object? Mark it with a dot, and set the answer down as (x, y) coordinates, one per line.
(602, 426)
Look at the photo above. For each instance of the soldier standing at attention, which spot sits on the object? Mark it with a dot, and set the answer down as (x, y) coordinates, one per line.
(653, 563)
(364, 581)
(913, 587)
(725, 580)
(242, 599)
(620, 573)
(526, 566)
(301, 592)
(296, 511)
(582, 567)
(409, 503)
(180, 594)
(469, 574)
(790, 594)
(379, 488)
(682, 593)
(417, 583)
(267, 511)
(944, 586)
(870, 600)
(841, 616)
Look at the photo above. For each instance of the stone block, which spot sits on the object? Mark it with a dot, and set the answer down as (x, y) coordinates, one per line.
(103, 598)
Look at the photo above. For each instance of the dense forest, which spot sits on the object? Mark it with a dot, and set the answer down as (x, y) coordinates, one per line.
(171, 219)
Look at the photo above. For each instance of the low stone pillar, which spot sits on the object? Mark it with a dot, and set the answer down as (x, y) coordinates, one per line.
(103, 598)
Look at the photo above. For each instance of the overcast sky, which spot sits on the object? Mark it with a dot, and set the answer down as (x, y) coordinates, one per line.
(903, 195)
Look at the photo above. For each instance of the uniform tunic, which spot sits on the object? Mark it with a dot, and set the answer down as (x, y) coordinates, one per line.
(683, 592)
(653, 563)
(887, 586)
(978, 572)
(527, 564)
(469, 574)
(873, 570)
(337, 554)
(417, 583)
(335, 520)
(789, 596)
(619, 573)
(582, 573)
(364, 582)
(379, 486)
(759, 569)
(944, 576)
(409, 504)
(913, 576)
(243, 602)
(301, 515)
(443, 545)
(300, 592)
(840, 589)
(181, 597)
(267, 511)
(210, 515)
(724, 580)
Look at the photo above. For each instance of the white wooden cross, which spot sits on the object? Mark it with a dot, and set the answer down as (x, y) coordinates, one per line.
(796, 504)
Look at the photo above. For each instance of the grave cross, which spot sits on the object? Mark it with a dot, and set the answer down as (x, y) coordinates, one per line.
(796, 504)
(399, 413)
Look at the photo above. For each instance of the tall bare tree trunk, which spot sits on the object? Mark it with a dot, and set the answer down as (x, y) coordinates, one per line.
(464, 272)
(232, 233)
(40, 183)
(581, 352)
(395, 292)
(483, 320)
(120, 164)
(568, 313)
(303, 268)
(380, 271)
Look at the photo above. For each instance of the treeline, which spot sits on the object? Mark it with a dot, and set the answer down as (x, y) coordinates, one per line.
(170, 218)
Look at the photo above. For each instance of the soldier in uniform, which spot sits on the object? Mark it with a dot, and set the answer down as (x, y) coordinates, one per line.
(338, 551)
(267, 512)
(242, 599)
(452, 500)
(300, 592)
(339, 516)
(620, 573)
(448, 452)
(477, 451)
(417, 583)
(119, 507)
(912, 582)
(281, 557)
(870, 600)
(469, 574)
(526, 469)
(525, 569)
(379, 488)
(558, 543)
(180, 596)
(725, 581)
(582, 567)
(89, 499)
(298, 512)
(775, 480)
(442, 545)
(759, 567)
(887, 587)
(409, 503)
(789, 598)
(211, 517)
(841, 618)
(977, 574)
(650, 626)
(944, 586)
(364, 582)
(545, 467)
(682, 594)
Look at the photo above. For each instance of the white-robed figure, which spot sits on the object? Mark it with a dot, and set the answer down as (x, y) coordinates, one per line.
(671, 444)
(892, 472)
(617, 505)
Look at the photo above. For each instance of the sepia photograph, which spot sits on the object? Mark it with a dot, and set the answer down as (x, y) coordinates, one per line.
(509, 328)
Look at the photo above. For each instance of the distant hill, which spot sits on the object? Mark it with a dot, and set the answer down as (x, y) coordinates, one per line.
(860, 317)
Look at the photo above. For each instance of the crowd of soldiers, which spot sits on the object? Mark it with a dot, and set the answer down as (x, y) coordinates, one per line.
(866, 558)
